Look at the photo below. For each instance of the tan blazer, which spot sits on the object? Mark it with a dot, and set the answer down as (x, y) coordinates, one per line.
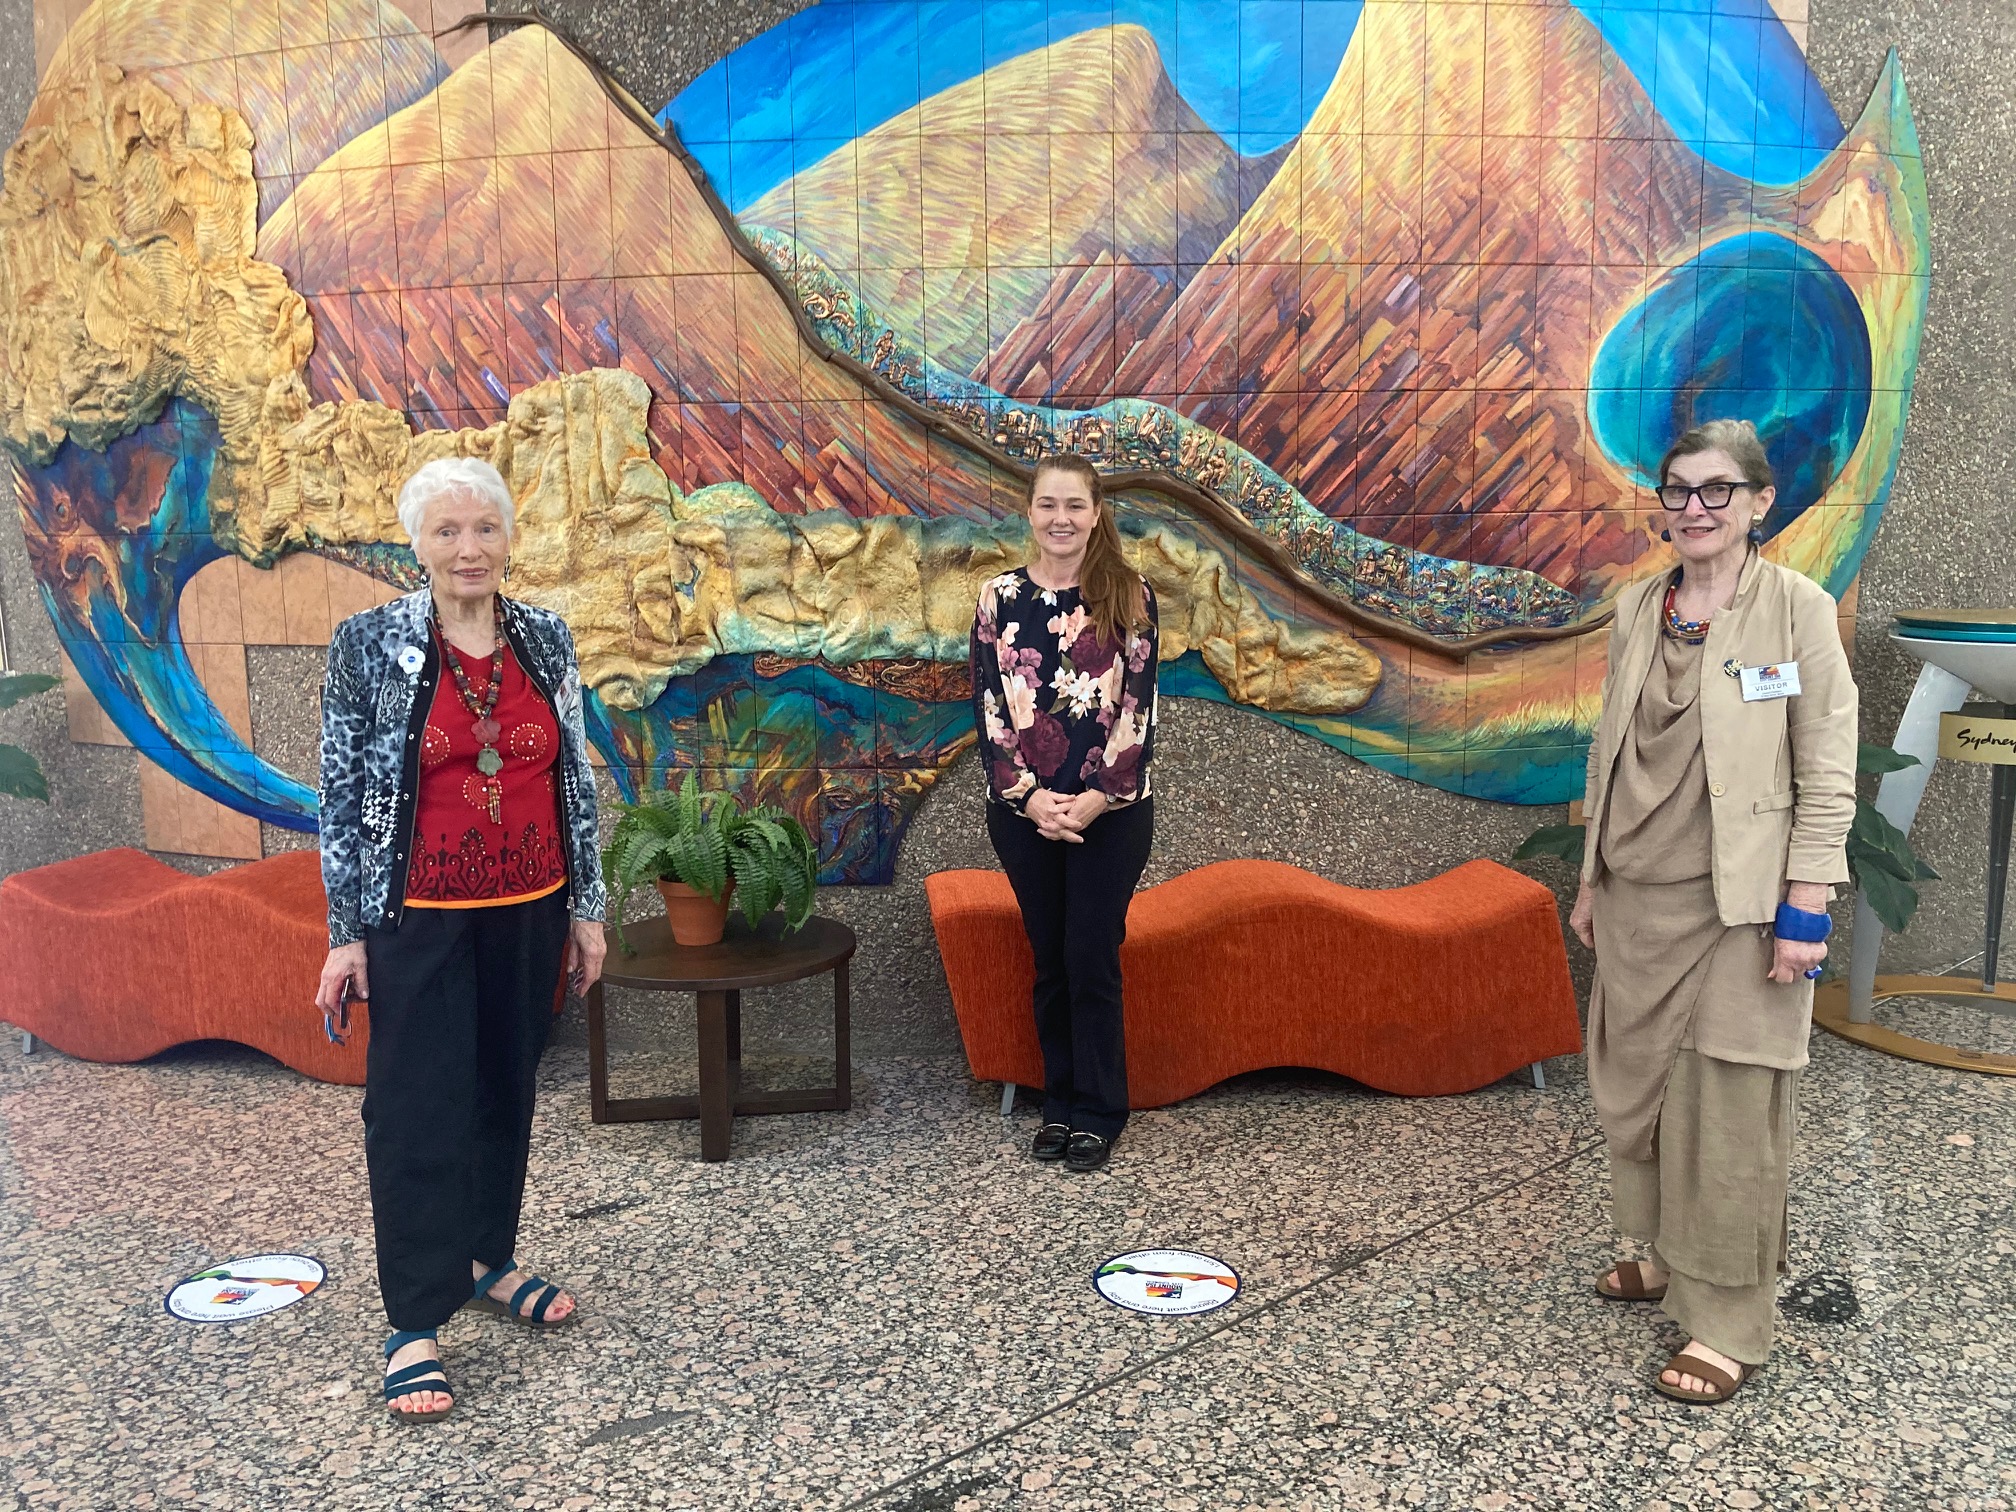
(1781, 772)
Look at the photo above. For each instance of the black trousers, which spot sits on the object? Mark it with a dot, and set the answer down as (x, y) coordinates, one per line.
(1074, 906)
(461, 1004)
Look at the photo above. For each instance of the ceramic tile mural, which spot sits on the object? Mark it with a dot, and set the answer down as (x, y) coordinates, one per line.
(1412, 294)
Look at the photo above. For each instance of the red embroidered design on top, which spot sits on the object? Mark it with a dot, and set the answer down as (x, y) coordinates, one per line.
(472, 871)
(527, 742)
(433, 746)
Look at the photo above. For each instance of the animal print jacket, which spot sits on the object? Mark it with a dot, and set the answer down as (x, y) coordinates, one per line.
(382, 667)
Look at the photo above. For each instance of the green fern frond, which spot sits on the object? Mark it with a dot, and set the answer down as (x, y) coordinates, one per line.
(753, 884)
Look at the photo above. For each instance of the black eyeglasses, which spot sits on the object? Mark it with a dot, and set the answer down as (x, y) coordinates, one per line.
(1674, 496)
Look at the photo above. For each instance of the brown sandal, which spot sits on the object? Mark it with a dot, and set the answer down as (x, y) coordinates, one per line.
(1631, 1283)
(1721, 1387)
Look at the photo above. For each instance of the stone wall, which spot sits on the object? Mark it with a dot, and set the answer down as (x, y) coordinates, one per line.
(1229, 782)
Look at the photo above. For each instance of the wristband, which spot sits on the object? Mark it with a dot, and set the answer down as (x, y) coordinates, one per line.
(1800, 925)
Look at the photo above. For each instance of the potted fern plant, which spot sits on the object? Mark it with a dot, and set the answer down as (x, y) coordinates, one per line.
(701, 848)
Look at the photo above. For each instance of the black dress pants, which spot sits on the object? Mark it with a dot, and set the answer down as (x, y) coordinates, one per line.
(1074, 906)
(461, 1004)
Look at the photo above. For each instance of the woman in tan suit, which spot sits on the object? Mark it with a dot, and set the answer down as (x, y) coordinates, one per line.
(1721, 786)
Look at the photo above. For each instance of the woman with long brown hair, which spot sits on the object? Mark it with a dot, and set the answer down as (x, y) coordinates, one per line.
(1063, 655)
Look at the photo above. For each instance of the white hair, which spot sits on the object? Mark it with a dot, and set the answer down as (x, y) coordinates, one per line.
(446, 475)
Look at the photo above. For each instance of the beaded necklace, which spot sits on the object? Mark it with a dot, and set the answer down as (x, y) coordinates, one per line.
(1687, 632)
(484, 727)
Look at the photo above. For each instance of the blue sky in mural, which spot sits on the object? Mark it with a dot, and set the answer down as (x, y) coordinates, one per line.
(1725, 73)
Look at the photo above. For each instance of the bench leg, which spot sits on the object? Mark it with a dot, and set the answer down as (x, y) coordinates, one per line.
(1007, 1098)
(27, 1043)
(1539, 1070)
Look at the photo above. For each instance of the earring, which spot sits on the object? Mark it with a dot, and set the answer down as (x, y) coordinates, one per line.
(1757, 531)
(1665, 535)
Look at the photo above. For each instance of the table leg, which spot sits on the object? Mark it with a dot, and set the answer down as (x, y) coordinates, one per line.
(717, 1117)
(2001, 816)
(843, 1064)
(734, 1047)
(1937, 692)
(598, 1058)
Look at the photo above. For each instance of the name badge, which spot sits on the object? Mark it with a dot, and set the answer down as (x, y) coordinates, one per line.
(1763, 683)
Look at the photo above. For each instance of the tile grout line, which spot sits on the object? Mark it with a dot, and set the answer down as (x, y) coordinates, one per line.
(1351, 1262)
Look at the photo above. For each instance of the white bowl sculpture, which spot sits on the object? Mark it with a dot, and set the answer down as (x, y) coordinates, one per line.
(1988, 667)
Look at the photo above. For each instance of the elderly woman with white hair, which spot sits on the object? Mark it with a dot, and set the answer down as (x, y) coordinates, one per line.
(460, 858)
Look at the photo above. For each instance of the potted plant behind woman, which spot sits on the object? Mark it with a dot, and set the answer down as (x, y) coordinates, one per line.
(700, 849)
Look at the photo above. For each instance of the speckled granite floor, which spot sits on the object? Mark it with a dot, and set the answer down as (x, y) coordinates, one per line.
(891, 1308)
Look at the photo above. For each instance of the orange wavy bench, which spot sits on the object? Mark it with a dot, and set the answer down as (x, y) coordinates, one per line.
(116, 956)
(1440, 987)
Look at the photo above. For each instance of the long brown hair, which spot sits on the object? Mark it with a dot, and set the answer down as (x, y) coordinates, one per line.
(1108, 585)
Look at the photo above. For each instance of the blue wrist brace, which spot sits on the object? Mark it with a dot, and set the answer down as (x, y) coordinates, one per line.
(1797, 924)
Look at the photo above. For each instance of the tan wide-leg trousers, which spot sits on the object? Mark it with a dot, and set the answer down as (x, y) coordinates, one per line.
(1711, 1201)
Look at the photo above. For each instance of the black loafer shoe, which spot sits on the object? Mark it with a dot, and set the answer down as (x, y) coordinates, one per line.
(1087, 1152)
(1051, 1142)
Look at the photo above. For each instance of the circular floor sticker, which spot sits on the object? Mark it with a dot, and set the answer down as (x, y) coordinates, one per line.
(248, 1288)
(1170, 1283)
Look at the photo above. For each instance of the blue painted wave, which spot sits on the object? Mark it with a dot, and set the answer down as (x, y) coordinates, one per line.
(118, 534)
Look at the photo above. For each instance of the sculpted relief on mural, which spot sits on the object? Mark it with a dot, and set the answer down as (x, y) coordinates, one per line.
(1382, 316)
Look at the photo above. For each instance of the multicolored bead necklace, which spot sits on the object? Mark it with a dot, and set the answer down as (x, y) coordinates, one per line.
(485, 727)
(1687, 632)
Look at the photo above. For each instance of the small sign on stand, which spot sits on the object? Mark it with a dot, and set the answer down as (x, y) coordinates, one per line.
(1966, 737)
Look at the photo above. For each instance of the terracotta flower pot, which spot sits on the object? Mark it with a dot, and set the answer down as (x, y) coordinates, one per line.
(696, 919)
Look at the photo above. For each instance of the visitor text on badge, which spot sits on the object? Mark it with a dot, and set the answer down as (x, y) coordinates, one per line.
(1779, 681)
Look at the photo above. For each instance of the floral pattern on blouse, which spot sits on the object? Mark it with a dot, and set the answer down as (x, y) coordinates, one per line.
(1058, 705)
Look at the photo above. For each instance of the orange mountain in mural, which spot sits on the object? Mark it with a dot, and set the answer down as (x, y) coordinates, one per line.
(448, 264)
(1083, 150)
(307, 78)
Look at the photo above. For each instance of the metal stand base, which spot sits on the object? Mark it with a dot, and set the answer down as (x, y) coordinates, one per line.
(2001, 813)
(1007, 1098)
(1539, 1070)
(1831, 1012)
(27, 1043)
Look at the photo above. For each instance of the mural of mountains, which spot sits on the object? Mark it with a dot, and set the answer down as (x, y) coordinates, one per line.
(447, 284)
(1430, 315)
(1085, 152)
(1404, 317)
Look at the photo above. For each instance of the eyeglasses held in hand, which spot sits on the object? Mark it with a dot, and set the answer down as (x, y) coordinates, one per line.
(1674, 496)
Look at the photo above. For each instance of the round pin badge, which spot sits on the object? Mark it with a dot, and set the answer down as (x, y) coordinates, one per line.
(242, 1289)
(411, 659)
(1167, 1283)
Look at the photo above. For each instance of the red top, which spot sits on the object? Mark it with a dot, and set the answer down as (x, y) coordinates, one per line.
(462, 858)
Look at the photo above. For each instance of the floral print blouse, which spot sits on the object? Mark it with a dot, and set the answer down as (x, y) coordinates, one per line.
(1056, 704)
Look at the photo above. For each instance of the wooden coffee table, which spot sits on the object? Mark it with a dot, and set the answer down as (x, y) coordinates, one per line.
(717, 975)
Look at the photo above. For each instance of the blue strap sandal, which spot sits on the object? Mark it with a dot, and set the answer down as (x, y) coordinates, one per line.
(422, 1375)
(513, 1309)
